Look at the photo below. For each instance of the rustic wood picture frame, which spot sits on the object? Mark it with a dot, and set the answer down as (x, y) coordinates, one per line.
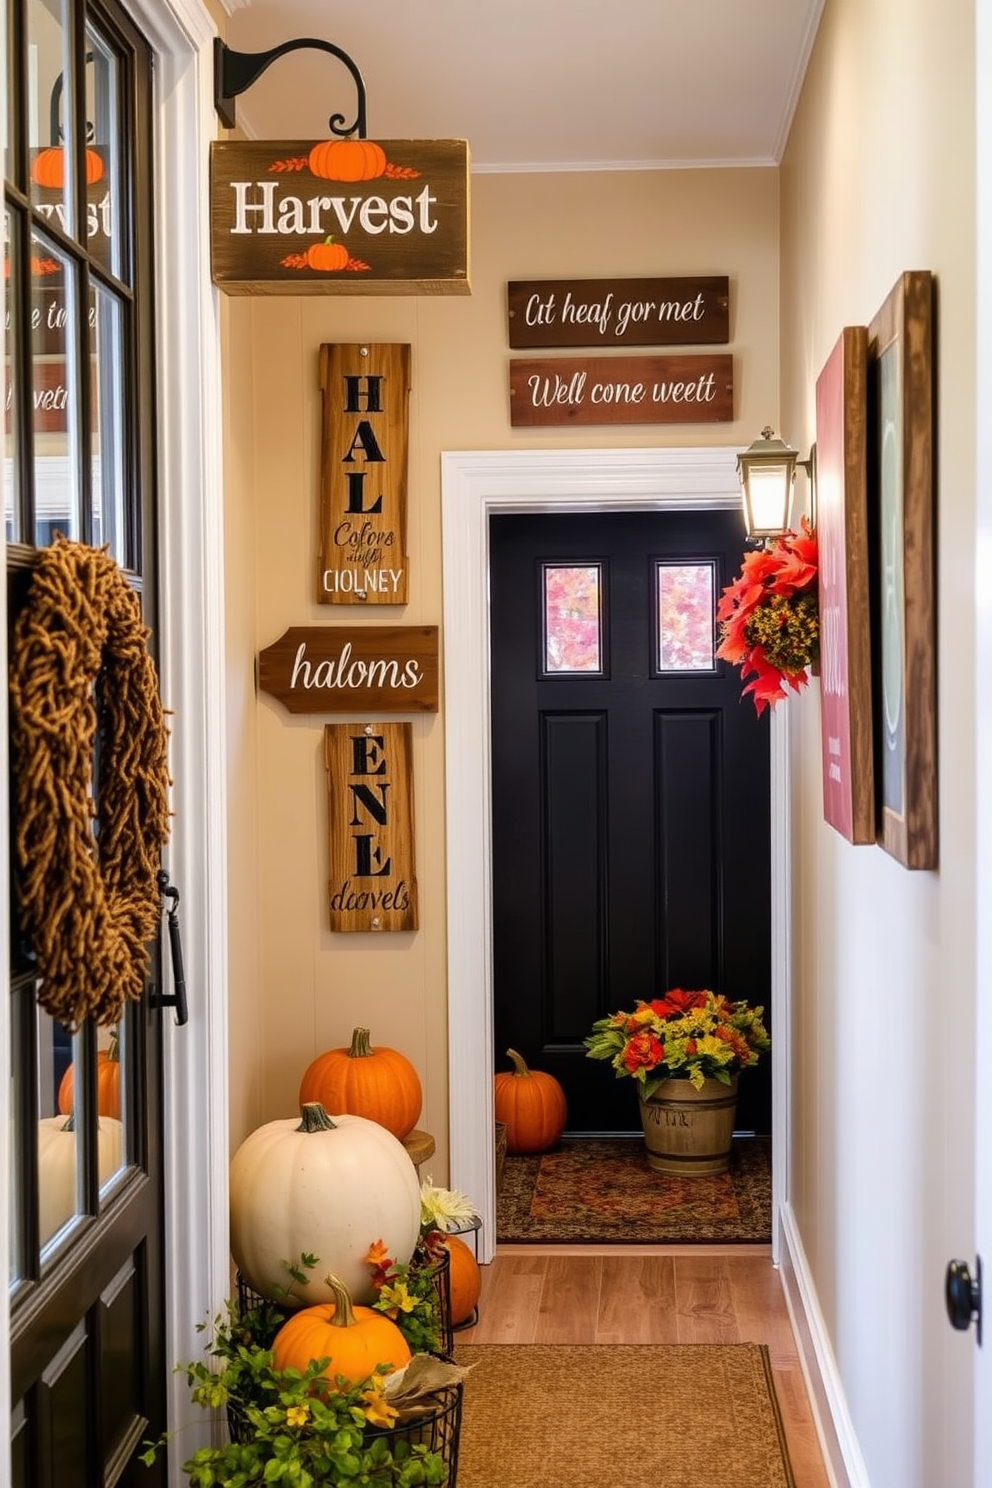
(844, 588)
(901, 403)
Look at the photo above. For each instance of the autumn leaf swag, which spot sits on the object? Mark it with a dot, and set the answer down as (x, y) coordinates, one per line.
(769, 617)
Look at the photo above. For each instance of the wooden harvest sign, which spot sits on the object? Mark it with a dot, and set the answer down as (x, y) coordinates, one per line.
(325, 669)
(363, 474)
(619, 312)
(343, 216)
(621, 390)
(372, 873)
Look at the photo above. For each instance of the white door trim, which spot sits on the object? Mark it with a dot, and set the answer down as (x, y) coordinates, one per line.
(191, 629)
(473, 486)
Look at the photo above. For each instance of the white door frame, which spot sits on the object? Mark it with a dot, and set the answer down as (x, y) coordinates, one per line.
(474, 486)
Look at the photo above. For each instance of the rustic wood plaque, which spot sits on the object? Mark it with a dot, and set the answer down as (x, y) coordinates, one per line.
(372, 881)
(337, 669)
(621, 390)
(841, 466)
(345, 217)
(619, 312)
(363, 474)
(901, 411)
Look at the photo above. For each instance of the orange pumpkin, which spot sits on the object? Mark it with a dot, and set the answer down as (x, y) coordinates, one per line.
(49, 167)
(108, 1083)
(355, 1340)
(378, 1083)
(465, 1278)
(532, 1104)
(328, 255)
(347, 160)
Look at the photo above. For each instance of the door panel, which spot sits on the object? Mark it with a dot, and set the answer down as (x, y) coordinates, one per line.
(631, 844)
(87, 1365)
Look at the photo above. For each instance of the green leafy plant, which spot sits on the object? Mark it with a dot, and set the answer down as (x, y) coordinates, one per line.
(683, 1035)
(287, 1426)
(407, 1293)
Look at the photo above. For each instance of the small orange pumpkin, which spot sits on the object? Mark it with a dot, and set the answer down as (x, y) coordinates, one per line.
(355, 1340)
(49, 167)
(375, 1082)
(532, 1103)
(465, 1278)
(108, 1082)
(347, 160)
(328, 255)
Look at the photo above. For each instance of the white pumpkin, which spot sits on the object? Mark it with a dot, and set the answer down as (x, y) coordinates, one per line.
(57, 1167)
(326, 1185)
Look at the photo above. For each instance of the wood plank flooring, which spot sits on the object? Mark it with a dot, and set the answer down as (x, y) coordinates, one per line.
(652, 1294)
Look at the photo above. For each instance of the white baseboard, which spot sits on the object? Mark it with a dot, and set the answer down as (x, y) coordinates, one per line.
(838, 1442)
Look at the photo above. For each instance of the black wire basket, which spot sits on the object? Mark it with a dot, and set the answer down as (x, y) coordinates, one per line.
(437, 1267)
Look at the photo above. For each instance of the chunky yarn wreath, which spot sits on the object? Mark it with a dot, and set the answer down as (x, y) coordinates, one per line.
(91, 783)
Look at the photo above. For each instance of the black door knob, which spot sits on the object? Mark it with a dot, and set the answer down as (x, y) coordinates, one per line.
(963, 1295)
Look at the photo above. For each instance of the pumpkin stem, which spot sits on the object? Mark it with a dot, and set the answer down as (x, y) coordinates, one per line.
(70, 1123)
(519, 1064)
(360, 1047)
(344, 1315)
(314, 1118)
(114, 1047)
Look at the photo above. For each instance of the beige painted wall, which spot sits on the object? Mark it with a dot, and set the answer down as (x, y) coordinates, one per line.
(878, 178)
(296, 988)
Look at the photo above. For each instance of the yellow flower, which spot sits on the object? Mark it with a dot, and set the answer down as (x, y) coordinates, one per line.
(298, 1415)
(378, 1411)
(397, 1298)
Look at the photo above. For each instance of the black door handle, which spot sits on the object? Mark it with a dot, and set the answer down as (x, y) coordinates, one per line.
(963, 1295)
(176, 999)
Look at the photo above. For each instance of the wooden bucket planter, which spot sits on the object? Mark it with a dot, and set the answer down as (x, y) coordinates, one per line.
(689, 1131)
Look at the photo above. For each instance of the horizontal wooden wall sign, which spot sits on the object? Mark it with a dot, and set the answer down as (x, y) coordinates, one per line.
(622, 390)
(337, 669)
(619, 312)
(372, 879)
(344, 217)
(363, 474)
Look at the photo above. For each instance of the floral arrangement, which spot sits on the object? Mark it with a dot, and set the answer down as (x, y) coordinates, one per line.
(287, 1426)
(683, 1035)
(769, 617)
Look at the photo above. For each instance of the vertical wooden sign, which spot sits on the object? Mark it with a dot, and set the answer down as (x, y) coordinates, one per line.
(372, 881)
(363, 474)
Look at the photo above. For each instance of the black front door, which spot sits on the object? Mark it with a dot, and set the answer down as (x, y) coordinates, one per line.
(630, 791)
(87, 1352)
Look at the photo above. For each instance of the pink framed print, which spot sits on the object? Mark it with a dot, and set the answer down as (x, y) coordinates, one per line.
(845, 632)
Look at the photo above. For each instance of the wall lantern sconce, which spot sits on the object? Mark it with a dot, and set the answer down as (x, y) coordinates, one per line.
(767, 469)
(235, 72)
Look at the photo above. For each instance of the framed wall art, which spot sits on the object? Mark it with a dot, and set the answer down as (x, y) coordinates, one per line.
(844, 580)
(900, 373)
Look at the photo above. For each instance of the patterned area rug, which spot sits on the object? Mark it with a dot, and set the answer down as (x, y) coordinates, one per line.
(602, 1191)
(691, 1415)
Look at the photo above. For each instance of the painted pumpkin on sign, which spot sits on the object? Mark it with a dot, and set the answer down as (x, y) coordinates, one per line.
(328, 255)
(347, 160)
(375, 1082)
(355, 1340)
(320, 1185)
(532, 1104)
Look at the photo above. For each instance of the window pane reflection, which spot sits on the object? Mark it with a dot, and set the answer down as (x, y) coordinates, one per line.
(55, 392)
(107, 401)
(12, 392)
(685, 617)
(103, 188)
(573, 618)
(50, 111)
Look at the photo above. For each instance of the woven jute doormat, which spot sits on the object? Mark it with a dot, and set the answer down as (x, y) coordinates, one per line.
(630, 1416)
(602, 1191)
